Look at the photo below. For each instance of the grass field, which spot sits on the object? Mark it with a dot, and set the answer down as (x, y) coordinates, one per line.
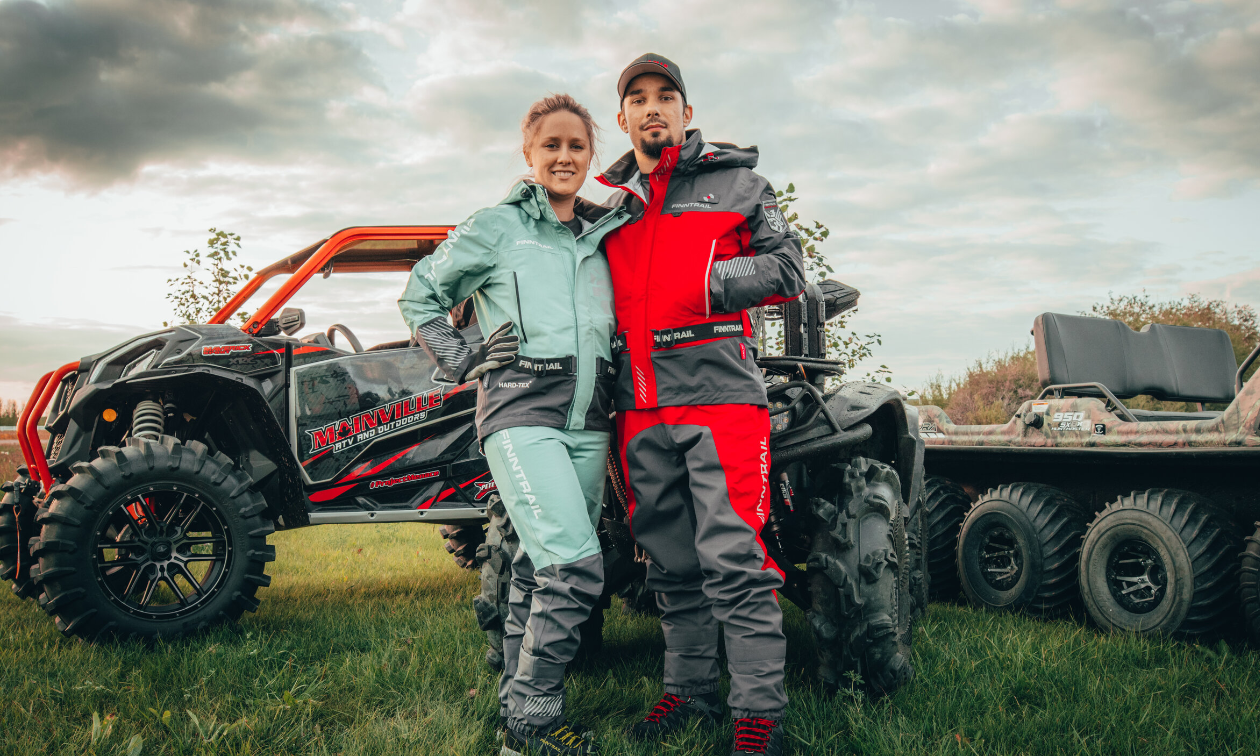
(365, 644)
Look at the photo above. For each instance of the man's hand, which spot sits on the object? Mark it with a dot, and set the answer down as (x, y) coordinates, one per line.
(499, 349)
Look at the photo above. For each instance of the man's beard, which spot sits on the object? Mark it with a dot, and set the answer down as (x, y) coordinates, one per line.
(654, 147)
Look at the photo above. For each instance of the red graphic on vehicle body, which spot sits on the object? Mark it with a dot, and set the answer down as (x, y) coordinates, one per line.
(222, 350)
(365, 426)
(485, 489)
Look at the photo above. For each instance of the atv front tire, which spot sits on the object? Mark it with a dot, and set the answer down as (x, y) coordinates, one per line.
(17, 528)
(858, 615)
(1160, 561)
(157, 539)
(1018, 549)
(945, 503)
(495, 555)
(463, 543)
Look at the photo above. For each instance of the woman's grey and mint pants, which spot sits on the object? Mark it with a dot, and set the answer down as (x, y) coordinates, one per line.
(552, 484)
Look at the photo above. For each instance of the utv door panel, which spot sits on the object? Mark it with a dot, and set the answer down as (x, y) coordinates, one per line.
(341, 406)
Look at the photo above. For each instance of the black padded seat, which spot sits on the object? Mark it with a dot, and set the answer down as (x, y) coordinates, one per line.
(1171, 363)
(1154, 416)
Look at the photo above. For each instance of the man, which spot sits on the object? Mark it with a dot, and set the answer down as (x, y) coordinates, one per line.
(706, 240)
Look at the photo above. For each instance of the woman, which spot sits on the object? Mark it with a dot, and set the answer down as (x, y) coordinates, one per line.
(543, 296)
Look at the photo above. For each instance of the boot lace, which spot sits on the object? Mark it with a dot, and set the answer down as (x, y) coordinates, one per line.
(663, 708)
(565, 736)
(753, 734)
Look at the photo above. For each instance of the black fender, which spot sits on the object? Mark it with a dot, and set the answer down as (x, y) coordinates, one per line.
(895, 430)
(245, 421)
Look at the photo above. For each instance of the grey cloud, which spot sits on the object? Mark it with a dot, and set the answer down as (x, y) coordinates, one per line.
(96, 89)
(31, 349)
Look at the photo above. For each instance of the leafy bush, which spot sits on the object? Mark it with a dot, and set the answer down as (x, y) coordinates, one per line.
(209, 283)
(989, 393)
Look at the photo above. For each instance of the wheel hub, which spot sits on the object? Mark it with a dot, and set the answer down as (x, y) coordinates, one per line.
(1001, 560)
(1136, 576)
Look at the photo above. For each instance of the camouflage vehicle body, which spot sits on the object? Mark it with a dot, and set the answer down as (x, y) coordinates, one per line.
(1064, 458)
(174, 456)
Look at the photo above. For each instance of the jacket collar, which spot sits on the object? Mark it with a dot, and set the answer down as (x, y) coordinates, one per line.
(532, 198)
(691, 156)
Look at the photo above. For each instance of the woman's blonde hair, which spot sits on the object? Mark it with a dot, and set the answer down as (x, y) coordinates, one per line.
(555, 103)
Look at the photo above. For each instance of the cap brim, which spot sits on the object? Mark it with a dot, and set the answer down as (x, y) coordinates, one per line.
(646, 67)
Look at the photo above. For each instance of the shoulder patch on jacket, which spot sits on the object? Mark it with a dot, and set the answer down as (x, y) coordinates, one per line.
(774, 216)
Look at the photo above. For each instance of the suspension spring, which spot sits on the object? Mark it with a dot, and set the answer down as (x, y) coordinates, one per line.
(148, 420)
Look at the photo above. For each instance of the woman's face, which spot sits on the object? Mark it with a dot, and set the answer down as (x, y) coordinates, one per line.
(560, 154)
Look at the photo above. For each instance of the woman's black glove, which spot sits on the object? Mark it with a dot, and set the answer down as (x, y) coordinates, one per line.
(447, 348)
(499, 349)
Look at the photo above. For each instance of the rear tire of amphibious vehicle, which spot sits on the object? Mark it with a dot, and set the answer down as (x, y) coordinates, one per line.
(944, 505)
(1249, 584)
(154, 539)
(858, 571)
(17, 527)
(1018, 549)
(1160, 561)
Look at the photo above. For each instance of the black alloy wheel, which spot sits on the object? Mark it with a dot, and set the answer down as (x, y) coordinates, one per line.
(1161, 562)
(156, 539)
(161, 552)
(1017, 550)
(1001, 559)
(1136, 576)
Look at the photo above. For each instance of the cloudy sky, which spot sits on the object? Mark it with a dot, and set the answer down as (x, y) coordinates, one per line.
(978, 162)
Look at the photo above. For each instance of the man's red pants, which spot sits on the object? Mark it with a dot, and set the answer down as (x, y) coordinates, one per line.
(699, 497)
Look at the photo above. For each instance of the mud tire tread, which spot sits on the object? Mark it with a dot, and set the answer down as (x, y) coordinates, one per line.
(1208, 535)
(945, 503)
(17, 525)
(72, 596)
(859, 613)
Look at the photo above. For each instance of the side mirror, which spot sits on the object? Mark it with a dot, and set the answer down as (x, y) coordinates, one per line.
(292, 320)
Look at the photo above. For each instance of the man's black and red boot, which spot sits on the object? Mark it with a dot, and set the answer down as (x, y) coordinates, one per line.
(758, 737)
(561, 739)
(675, 712)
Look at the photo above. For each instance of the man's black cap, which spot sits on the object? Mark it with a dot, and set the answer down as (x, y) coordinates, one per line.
(651, 63)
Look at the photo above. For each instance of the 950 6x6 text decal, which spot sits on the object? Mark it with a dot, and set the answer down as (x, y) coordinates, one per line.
(365, 426)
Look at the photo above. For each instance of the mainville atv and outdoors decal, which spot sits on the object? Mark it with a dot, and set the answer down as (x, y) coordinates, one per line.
(365, 426)
(341, 407)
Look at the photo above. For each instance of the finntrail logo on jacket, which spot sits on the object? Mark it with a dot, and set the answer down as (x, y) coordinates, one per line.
(365, 426)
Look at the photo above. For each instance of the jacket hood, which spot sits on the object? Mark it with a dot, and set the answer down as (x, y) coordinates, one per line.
(532, 198)
(693, 155)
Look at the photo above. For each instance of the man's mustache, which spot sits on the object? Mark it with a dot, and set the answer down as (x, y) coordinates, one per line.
(645, 126)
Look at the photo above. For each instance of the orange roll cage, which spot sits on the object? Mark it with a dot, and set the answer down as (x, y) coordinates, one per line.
(360, 249)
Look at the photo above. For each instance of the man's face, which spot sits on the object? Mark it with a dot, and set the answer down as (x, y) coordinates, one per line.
(653, 114)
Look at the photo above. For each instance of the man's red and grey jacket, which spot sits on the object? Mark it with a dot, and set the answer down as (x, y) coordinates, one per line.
(707, 242)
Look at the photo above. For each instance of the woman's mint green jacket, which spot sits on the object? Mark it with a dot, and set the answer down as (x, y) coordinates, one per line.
(520, 264)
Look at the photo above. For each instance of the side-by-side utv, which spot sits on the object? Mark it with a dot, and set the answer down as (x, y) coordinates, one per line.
(174, 455)
(1138, 516)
